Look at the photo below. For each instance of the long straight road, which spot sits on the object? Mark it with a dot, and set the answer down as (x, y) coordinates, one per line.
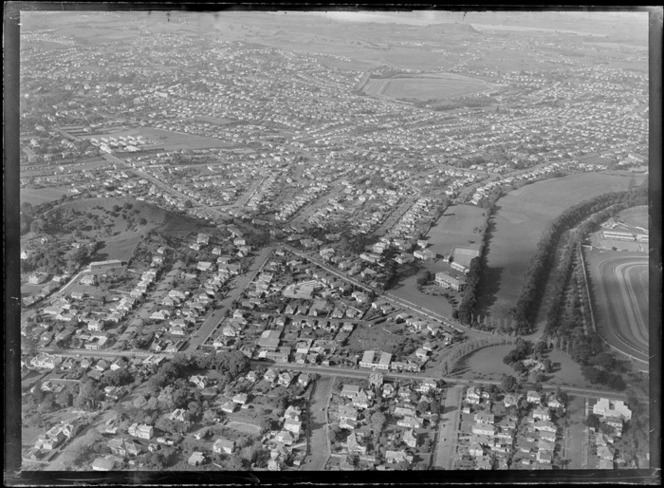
(320, 441)
(448, 429)
(212, 322)
(389, 296)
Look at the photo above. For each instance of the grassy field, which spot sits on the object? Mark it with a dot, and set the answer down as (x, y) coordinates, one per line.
(407, 290)
(519, 222)
(488, 364)
(124, 237)
(455, 229)
(364, 338)
(38, 196)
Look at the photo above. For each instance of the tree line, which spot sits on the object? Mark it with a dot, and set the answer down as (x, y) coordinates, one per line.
(477, 265)
(540, 266)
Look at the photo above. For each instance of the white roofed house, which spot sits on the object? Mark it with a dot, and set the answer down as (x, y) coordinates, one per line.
(541, 413)
(350, 391)
(362, 400)
(223, 446)
(200, 381)
(292, 412)
(410, 439)
(293, 426)
(473, 395)
(612, 408)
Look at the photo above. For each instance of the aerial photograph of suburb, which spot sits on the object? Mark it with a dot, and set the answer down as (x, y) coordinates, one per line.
(334, 241)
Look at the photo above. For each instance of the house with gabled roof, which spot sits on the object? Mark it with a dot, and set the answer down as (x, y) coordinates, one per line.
(512, 399)
(533, 397)
(223, 446)
(294, 426)
(410, 439)
(410, 422)
(541, 413)
(353, 446)
(349, 391)
(473, 395)
(284, 437)
(197, 458)
(361, 400)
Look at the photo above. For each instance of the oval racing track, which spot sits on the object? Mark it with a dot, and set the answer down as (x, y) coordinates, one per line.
(621, 293)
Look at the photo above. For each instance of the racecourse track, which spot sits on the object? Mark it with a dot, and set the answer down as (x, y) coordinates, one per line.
(620, 288)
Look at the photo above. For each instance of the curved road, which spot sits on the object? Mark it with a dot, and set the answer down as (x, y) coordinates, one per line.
(621, 288)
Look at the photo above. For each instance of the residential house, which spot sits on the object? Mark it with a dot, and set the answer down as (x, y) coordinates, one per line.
(361, 400)
(393, 457)
(473, 395)
(353, 446)
(410, 439)
(196, 459)
(533, 397)
(179, 414)
(229, 407)
(512, 400)
(410, 422)
(545, 426)
(294, 426)
(541, 413)
(105, 463)
(241, 398)
(292, 412)
(612, 408)
(349, 391)
(284, 437)
(223, 446)
(200, 381)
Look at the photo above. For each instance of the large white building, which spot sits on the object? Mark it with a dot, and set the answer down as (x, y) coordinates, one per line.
(612, 408)
(447, 281)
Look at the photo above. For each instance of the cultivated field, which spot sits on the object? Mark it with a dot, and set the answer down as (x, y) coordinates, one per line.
(521, 217)
(455, 228)
(427, 87)
(619, 284)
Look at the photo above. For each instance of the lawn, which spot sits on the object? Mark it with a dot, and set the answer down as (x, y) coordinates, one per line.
(520, 220)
